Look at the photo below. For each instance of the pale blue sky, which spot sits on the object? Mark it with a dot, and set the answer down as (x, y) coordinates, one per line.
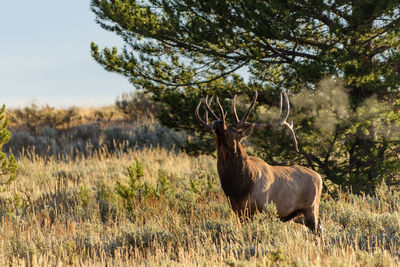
(45, 55)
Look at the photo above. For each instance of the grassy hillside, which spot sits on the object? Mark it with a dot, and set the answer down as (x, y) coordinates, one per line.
(75, 131)
(152, 207)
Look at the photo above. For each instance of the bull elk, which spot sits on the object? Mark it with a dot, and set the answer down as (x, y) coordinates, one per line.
(249, 182)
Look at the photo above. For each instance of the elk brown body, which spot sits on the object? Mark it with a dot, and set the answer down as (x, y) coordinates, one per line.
(250, 183)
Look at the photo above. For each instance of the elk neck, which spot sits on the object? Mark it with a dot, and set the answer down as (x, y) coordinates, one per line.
(235, 172)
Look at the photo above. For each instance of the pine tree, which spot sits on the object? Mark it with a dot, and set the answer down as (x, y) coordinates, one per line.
(181, 50)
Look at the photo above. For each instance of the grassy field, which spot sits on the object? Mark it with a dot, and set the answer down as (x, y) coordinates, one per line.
(152, 207)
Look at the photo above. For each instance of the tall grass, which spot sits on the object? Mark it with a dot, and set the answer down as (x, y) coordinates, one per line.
(72, 211)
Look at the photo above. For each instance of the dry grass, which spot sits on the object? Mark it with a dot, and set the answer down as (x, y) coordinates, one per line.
(42, 115)
(68, 212)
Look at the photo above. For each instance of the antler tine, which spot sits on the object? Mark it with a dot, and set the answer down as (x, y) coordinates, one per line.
(290, 126)
(234, 109)
(283, 121)
(203, 123)
(280, 109)
(287, 110)
(209, 109)
(205, 111)
(250, 108)
(221, 110)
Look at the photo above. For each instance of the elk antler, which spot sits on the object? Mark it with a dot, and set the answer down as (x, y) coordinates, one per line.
(282, 121)
(203, 123)
(234, 109)
(221, 110)
(207, 103)
(205, 112)
(243, 121)
(208, 107)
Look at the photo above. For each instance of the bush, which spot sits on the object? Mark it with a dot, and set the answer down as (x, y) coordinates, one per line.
(137, 188)
(138, 106)
(8, 165)
(33, 118)
(142, 135)
(84, 134)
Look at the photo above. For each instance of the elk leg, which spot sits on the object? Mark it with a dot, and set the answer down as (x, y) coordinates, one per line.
(311, 219)
(320, 230)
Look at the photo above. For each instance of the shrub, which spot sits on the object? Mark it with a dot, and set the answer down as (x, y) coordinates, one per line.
(84, 134)
(34, 118)
(138, 106)
(8, 165)
(140, 136)
(137, 188)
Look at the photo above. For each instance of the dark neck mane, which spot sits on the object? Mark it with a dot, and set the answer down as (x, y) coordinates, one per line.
(237, 178)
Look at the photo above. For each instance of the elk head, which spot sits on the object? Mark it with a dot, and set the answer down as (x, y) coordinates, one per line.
(228, 135)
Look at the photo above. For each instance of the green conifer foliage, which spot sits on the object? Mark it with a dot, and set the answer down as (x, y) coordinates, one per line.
(8, 165)
(181, 50)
